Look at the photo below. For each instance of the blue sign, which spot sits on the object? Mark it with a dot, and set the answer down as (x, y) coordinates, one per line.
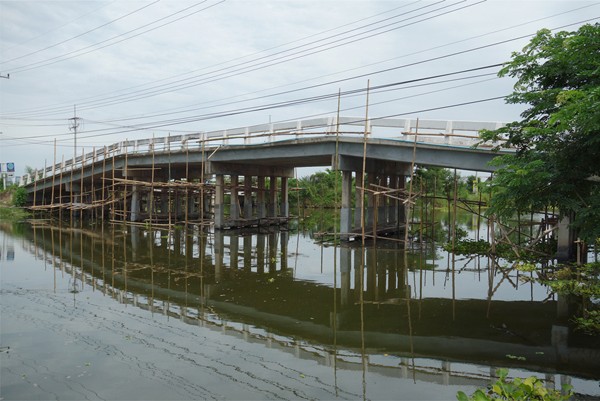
(10, 167)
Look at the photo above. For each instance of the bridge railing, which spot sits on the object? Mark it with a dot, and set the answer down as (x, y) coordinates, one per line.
(440, 132)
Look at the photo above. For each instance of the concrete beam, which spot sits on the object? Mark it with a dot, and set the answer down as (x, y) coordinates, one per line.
(250, 169)
(382, 167)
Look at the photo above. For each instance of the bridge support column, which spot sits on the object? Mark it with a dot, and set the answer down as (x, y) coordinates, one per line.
(164, 203)
(219, 200)
(345, 269)
(359, 260)
(346, 211)
(359, 199)
(260, 198)
(135, 203)
(285, 204)
(392, 215)
(248, 253)
(382, 202)
(285, 239)
(370, 200)
(234, 249)
(401, 212)
(248, 197)
(272, 211)
(260, 253)
(565, 250)
(234, 209)
(272, 249)
(219, 249)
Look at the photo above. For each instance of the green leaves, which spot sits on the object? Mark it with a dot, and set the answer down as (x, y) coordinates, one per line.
(530, 388)
(558, 140)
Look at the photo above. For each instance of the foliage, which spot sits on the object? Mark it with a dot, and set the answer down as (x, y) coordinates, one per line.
(590, 323)
(583, 282)
(12, 213)
(436, 179)
(528, 389)
(558, 140)
(541, 251)
(317, 190)
(19, 197)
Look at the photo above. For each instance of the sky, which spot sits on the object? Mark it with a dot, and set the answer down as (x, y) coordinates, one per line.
(137, 69)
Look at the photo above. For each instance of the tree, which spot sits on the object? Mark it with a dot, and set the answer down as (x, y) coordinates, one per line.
(557, 159)
(440, 179)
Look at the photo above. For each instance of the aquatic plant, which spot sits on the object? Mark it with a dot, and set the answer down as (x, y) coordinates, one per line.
(518, 389)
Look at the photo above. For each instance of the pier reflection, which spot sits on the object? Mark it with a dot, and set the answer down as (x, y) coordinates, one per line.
(361, 313)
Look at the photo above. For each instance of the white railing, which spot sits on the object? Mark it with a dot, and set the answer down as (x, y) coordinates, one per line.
(451, 133)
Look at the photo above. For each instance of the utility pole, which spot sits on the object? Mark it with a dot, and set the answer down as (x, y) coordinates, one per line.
(73, 127)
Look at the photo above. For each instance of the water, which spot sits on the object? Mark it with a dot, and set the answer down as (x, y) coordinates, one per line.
(131, 313)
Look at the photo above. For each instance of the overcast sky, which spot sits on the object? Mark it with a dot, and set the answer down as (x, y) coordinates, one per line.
(134, 69)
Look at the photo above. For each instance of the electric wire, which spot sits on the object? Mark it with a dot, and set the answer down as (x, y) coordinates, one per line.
(184, 110)
(45, 33)
(82, 100)
(362, 120)
(79, 35)
(198, 80)
(62, 57)
(287, 103)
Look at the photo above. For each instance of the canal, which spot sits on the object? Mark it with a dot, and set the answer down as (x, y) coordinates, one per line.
(130, 312)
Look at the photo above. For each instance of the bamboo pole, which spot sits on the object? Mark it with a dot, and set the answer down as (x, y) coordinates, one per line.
(454, 247)
(151, 200)
(169, 205)
(126, 174)
(81, 188)
(114, 199)
(362, 224)
(103, 183)
(34, 186)
(53, 174)
(93, 189)
(408, 207)
(203, 159)
(71, 189)
(62, 165)
(187, 194)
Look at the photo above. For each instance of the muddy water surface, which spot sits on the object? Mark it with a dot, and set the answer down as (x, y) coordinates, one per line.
(131, 313)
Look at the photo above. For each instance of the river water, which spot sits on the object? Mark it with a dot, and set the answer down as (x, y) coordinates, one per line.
(132, 313)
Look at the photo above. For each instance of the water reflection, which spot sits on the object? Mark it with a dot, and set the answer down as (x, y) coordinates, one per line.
(377, 309)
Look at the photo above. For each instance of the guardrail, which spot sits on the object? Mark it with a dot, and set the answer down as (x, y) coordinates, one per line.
(453, 133)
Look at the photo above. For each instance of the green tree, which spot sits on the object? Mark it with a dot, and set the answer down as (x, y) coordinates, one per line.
(19, 197)
(436, 178)
(558, 139)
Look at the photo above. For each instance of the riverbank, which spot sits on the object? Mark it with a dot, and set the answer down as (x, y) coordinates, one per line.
(8, 210)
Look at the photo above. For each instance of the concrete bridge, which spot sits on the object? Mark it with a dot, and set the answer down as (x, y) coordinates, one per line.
(184, 177)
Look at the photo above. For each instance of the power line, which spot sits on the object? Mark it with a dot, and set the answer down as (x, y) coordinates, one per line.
(224, 73)
(183, 110)
(79, 35)
(288, 103)
(82, 101)
(154, 89)
(79, 52)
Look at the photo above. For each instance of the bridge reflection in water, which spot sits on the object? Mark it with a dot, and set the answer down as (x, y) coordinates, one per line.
(259, 288)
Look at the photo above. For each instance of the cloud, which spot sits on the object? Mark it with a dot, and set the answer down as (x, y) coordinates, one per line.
(239, 50)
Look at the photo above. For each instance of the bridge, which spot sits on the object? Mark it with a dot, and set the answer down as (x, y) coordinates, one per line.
(184, 177)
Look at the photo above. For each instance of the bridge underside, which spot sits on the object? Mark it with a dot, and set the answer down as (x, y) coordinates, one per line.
(246, 185)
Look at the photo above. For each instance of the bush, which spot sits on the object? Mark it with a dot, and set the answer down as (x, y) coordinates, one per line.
(19, 197)
(531, 388)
